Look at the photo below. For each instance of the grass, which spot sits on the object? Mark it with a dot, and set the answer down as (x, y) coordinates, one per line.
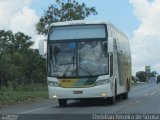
(22, 94)
(137, 83)
(134, 83)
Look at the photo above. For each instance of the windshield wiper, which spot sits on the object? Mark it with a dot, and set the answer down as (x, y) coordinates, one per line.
(85, 68)
(67, 69)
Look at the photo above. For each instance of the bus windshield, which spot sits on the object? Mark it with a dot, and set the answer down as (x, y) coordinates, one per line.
(77, 59)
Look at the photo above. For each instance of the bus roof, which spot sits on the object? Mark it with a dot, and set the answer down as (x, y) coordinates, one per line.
(75, 22)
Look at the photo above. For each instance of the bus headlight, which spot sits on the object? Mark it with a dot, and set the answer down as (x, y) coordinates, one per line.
(101, 82)
(52, 83)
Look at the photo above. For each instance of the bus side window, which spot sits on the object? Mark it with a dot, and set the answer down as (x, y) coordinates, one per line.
(111, 65)
(115, 43)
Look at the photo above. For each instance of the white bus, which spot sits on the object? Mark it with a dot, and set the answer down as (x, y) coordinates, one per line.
(87, 59)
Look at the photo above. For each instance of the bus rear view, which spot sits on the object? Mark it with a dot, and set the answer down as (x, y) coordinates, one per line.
(78, 61)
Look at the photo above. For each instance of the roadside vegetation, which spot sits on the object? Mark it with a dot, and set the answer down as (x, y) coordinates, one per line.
(22, 69)
(22, 94)
(143, 77)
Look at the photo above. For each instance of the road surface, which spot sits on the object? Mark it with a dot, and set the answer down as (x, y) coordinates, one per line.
(143, 99)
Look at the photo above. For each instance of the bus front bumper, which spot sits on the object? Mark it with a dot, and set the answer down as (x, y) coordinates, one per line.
(101, 91)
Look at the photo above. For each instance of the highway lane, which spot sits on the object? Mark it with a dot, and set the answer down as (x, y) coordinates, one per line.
(143, 98)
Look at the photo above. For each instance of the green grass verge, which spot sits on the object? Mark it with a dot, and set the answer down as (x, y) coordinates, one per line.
(13, 97)
(138, 83)
(17, 96)
(134, 83)
(8, 96)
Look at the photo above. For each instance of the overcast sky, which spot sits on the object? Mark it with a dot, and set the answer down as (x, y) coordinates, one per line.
(139, 19)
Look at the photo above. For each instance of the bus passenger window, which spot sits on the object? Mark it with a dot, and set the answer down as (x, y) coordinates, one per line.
(111, 65)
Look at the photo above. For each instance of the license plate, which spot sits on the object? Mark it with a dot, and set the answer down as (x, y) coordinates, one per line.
(77, 92)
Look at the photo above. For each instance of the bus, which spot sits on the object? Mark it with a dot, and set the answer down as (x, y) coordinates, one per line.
(87, 59)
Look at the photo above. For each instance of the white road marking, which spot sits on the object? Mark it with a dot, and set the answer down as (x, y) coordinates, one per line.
(146, 94)
(153, 93)
(138, 101)
(29, 111)
(140, 87)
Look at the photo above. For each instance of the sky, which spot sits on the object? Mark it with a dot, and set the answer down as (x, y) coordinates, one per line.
(139, 19)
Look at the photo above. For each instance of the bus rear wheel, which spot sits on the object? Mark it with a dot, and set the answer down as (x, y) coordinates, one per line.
(125, 95)
(62, 102)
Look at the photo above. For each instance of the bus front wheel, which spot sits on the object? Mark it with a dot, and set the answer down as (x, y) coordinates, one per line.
(112, 99)
(62, 102)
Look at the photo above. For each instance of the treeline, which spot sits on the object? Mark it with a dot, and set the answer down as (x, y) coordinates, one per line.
(19, 63)
(142, 76)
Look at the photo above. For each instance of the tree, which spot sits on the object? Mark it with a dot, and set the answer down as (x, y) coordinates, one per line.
(26, 61)
(134, 78)
(63, 10)
(153, 74)
(5, 40)
(35, 69)
(142, 76)
(19, 64)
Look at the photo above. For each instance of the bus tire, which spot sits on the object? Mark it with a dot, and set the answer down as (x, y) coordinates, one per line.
(125, 95)
(112, 99)
(119, 97)
(62, 102)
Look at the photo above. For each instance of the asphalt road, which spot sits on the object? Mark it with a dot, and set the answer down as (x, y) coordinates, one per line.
(143, 99)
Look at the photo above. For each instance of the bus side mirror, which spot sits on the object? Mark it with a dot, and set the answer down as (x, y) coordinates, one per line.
(42, 48)
(110, 45)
